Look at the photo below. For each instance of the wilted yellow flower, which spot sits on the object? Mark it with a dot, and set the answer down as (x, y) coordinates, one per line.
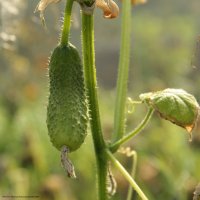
(42, 6)
(110, 8)
(135, 2)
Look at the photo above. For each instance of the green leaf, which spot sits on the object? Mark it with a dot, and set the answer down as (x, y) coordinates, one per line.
(175, 105)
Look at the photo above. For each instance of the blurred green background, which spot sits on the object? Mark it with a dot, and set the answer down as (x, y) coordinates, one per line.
(164, 39)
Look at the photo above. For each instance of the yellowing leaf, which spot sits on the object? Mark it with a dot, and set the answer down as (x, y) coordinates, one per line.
(175, 105)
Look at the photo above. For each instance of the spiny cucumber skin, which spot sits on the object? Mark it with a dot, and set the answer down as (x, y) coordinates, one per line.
(67, 113)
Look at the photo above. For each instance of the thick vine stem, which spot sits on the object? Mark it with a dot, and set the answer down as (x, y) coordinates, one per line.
(113, 147)
(120, 104)
(126, 175)
(91, 88)
(67, 22)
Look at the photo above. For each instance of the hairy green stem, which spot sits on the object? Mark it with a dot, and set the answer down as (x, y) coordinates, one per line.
(91, 87)
(113, 147)
(120, 104)
(126, 175)
(67, 22)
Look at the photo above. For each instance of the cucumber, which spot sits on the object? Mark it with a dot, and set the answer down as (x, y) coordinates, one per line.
(67, 110)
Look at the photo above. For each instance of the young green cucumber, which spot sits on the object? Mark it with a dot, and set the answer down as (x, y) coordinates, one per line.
(67, 113)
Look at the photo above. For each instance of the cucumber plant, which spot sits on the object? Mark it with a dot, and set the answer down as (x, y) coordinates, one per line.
(69, 111)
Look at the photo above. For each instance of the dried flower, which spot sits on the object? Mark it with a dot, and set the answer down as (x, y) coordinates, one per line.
(136, 2)
(110, 8)
(197, 193)
(42, 6)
